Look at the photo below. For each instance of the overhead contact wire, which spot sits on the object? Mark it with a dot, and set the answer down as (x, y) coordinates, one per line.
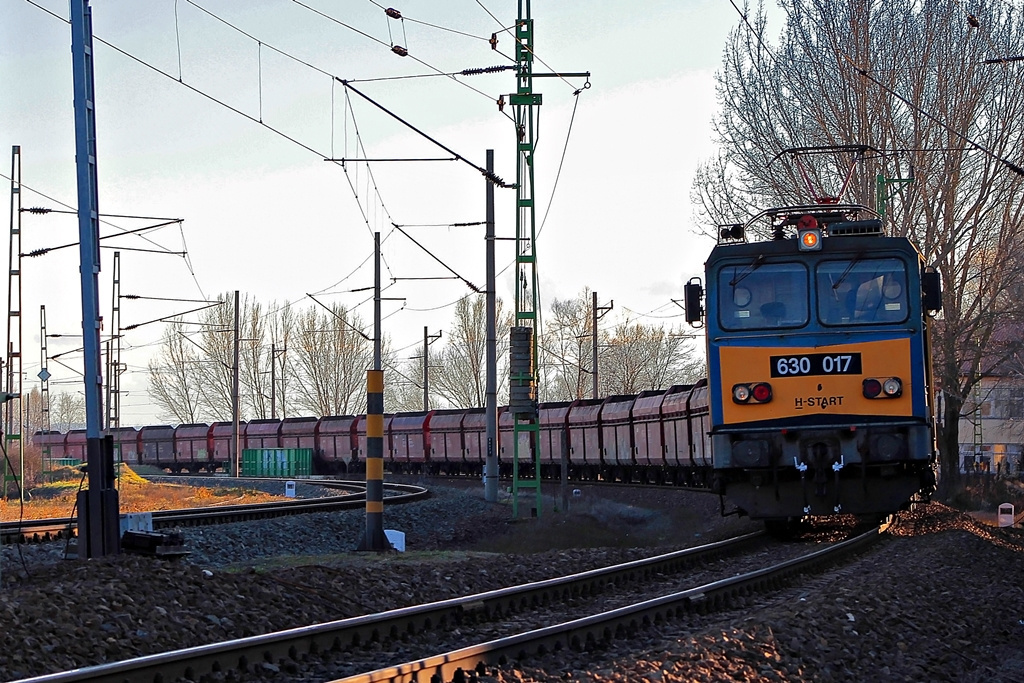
(381, 42)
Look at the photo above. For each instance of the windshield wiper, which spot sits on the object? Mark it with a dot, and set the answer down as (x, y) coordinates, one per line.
(846, 272)
(754, 265)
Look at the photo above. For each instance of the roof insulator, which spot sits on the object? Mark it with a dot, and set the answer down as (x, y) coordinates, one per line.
(399, 50)
(973, 21)
(393, 13)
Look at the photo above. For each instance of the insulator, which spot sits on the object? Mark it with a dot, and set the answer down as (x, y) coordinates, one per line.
(486, 70)
(496, 179)
(393, 13)
(400, 51)
(38, 209)
(37, 252)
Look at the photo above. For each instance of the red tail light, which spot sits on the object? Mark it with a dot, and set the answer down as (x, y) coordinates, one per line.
(762, 392)
(872, 388)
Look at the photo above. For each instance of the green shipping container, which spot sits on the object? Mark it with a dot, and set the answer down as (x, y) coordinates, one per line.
(277, 462)
(63, 462)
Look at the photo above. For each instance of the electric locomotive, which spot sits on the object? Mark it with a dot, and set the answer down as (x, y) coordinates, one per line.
(819, 365)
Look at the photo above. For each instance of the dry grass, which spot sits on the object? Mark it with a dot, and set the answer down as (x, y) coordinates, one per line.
(57, 499)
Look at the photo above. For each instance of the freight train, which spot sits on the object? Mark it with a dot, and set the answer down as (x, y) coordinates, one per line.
(818, 402)
(656, 436)
(818, 346)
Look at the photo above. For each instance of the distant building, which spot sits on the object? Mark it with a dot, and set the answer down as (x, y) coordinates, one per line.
(992, 426)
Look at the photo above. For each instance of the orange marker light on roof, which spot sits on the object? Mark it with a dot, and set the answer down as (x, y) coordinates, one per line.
(809, 233)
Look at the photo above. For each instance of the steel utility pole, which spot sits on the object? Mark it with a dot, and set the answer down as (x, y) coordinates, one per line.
(98, 507)
(273, 393)
(234, 399)
(427, 340)
(273, 407)
(491, 397)
(595, 310)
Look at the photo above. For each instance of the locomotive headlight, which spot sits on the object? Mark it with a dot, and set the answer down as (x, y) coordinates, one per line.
(741, 393)
(892, 387)
(872, 388)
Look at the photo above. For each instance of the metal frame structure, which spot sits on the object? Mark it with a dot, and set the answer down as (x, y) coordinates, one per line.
(44, 390)
(14, 425)
(523, 102)
(114, 364)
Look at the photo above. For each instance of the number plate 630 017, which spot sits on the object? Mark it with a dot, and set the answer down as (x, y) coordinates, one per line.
(816, 364)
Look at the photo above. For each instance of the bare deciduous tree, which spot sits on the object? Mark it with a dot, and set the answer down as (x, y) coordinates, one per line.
(403, 386)
(67, 411)
(567, 347)
(636, 357)
(174, 383)
(282, 325)
(462, 382)
(331, 357)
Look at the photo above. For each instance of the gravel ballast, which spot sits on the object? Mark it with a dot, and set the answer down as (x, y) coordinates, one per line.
(939, 599)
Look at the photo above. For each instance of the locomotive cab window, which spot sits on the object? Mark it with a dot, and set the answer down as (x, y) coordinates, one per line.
(759, 296)
(862, 291)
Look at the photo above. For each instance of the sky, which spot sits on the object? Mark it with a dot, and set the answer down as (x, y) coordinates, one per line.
(265, 214)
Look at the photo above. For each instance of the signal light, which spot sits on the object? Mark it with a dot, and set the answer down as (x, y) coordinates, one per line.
(808, 233)
(887, 388)
(760, 392)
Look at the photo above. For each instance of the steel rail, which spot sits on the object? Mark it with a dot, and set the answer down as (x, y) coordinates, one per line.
(59, 528)
(590, 631)
(243, 653)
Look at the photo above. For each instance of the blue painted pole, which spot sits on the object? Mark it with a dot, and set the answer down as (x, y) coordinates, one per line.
(98, 511)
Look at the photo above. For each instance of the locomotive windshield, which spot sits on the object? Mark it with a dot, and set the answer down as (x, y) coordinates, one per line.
(861, 291)
(763, 295)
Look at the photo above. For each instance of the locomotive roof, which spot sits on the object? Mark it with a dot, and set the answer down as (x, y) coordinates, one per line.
(829, 246)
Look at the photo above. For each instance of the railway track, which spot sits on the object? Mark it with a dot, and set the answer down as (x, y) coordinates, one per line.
(36, 530)
(489, 629)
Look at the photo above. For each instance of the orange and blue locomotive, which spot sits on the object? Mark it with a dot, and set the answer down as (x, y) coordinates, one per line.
(820, 382)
